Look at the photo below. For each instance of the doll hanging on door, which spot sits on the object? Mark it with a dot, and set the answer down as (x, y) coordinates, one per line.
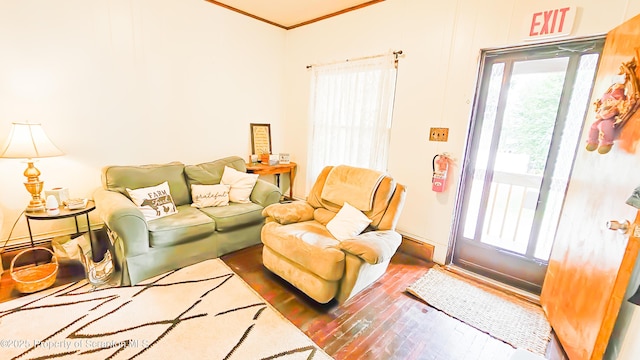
(608, 108)
(613, 109)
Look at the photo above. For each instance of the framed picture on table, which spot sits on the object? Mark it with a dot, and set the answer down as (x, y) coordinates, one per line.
(260, 138)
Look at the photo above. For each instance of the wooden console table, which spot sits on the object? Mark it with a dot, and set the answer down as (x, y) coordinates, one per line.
(277, 169)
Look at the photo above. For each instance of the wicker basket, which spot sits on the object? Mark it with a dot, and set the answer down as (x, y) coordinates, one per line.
(34, 278)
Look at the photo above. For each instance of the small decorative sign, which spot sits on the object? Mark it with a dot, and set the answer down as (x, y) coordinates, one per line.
(284, 158)
(550, 23)
(260, 139)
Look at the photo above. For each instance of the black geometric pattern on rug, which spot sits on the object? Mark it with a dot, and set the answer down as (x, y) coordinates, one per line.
(78, 333)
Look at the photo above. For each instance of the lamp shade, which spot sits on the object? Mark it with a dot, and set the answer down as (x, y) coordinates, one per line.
(28, 141)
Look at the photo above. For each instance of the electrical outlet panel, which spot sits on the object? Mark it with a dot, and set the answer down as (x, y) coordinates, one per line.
(439, 134)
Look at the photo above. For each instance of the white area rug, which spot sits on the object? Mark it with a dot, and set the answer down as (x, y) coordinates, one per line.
(508, 318)
(204, 311)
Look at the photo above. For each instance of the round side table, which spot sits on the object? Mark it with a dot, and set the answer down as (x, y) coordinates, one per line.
(64, 213)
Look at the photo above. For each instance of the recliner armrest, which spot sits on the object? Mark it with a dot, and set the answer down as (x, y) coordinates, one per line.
(124, 218)
(374, 247)
(292, 212)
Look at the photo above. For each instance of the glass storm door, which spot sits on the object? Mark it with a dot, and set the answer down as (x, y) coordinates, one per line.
(527, 121)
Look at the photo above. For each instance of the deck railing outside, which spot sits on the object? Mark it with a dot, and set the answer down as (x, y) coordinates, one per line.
(510, 211)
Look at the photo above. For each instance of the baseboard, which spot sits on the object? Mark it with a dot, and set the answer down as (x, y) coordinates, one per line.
(417, 248)
(24, 241)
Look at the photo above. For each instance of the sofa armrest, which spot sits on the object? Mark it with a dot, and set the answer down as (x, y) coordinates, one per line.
(124, 218)
(293, 212)
(265, 193)
(374, 247)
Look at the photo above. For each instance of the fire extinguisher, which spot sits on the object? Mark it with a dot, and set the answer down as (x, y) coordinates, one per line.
(440, 165)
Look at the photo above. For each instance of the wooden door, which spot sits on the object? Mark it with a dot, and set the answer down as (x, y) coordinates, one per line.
(590, 266)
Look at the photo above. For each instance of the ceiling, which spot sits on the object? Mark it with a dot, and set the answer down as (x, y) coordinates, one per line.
(289, 14)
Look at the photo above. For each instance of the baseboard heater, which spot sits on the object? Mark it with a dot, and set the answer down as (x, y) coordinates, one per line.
(417, 248)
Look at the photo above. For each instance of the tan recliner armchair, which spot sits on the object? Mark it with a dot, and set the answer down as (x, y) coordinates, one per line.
(299, 248)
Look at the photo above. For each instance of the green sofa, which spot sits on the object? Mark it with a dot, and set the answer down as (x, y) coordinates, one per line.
(143, 249)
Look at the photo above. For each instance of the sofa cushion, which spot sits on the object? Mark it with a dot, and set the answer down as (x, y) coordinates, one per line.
(309, 245)
(210, 173)
(187, 225)
(234, 216)
(118, 178)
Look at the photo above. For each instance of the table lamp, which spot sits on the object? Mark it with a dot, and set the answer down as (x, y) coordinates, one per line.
(29, 141)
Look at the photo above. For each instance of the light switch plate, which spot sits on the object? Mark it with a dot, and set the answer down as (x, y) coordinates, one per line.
(439, 134)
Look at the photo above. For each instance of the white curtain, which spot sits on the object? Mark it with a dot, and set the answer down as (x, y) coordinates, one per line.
(351, 108)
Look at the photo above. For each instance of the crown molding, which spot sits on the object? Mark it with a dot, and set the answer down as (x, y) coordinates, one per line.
(356, 7)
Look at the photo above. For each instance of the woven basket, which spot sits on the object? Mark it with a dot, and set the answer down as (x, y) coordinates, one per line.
(34, 278)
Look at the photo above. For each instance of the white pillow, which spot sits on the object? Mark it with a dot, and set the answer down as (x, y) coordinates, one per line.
(241, 184)
(154, 201)
(347, 223)
(209, 195)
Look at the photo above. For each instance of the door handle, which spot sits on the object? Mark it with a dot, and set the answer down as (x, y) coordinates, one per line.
(619, 226)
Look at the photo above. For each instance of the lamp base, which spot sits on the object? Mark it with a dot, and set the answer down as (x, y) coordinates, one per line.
(35, 206)
(34, 186)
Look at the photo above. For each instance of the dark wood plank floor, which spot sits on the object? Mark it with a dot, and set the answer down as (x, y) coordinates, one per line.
(383, 322)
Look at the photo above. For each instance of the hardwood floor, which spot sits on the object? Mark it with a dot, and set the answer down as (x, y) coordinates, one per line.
(382, 322)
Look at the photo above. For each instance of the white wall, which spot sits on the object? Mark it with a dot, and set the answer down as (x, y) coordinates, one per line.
(131, 82)
(436, 81)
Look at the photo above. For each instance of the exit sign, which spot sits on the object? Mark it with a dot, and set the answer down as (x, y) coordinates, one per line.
(550, 23)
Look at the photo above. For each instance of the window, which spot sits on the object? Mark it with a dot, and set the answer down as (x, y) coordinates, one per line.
(350, 113)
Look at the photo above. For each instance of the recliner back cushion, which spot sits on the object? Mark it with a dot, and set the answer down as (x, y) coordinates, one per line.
(210, 173)
(323, 216)
(353, 185)
(381, 199)
(118, 178)
(315, 195)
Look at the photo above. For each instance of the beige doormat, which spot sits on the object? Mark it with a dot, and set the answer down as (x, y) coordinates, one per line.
(204, 311)
(517, 322)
